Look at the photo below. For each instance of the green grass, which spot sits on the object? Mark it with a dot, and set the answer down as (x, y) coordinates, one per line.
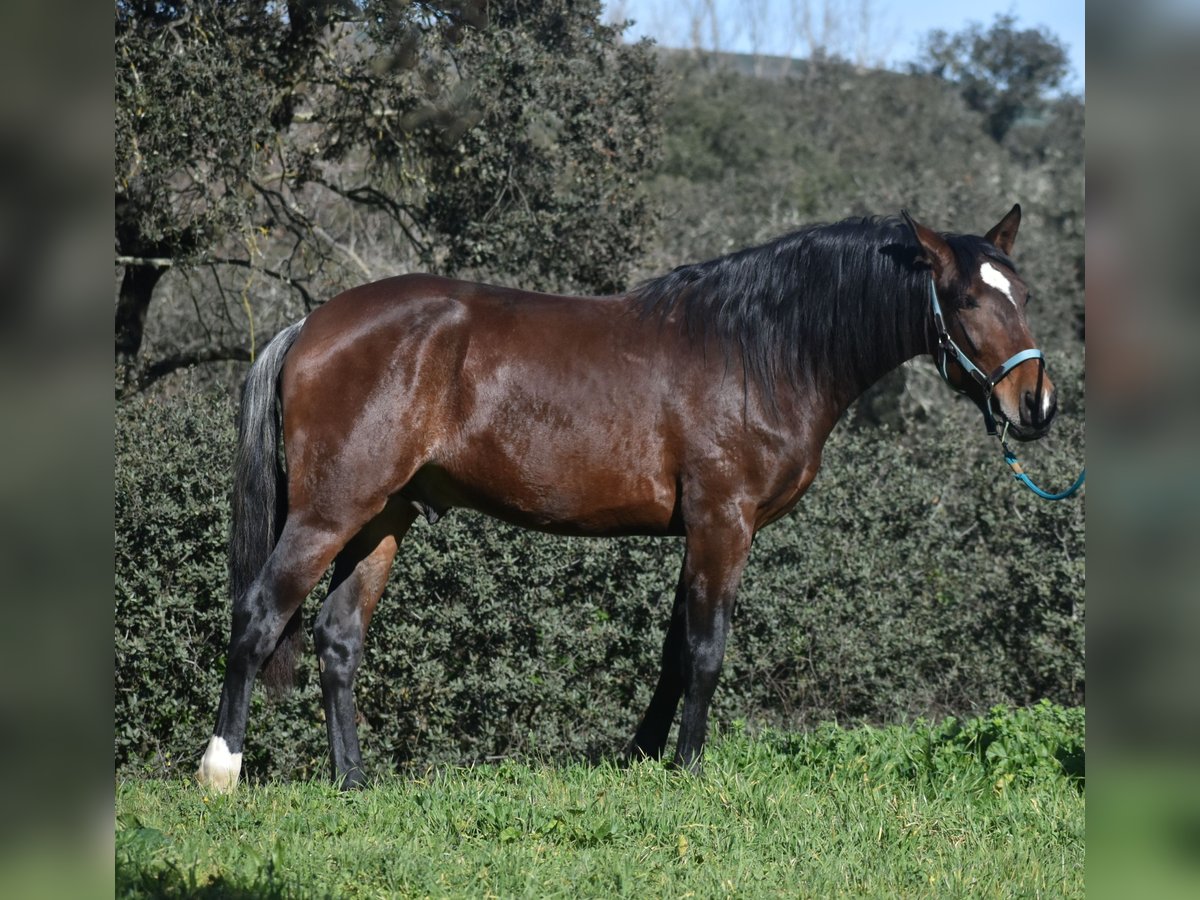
(990, 807)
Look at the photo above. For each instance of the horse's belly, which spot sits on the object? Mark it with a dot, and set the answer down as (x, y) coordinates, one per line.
(579, 500)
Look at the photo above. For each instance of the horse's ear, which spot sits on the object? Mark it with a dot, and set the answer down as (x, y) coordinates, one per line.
(1004, 235)
(935, 251)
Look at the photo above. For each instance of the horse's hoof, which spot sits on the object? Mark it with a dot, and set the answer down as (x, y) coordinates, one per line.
(219, 769)
(353, 780)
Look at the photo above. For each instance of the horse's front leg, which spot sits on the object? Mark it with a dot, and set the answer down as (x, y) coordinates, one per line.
(650, 739)
(717, 551)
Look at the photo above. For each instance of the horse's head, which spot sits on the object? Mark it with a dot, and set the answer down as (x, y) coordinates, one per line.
(979, 334)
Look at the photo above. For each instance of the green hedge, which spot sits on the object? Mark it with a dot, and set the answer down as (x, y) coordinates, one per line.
(914, 580)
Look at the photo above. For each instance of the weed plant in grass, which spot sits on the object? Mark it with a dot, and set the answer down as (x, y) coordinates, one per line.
(989, 807)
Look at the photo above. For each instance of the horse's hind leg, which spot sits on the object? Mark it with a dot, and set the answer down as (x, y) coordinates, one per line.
(360, 574)
(300, 557)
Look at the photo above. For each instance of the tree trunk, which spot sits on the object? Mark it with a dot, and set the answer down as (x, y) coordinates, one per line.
(137, 286)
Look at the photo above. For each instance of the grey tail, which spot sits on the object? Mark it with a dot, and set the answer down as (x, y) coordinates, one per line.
(260, 498)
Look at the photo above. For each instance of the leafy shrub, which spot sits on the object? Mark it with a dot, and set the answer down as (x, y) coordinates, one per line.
(171, 527)
(1043, 740)
(1039, 743)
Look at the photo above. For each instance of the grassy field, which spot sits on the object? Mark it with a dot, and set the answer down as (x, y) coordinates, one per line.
(988, 807)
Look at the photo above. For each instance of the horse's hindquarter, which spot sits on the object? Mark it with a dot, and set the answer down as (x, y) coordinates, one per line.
(544, 411)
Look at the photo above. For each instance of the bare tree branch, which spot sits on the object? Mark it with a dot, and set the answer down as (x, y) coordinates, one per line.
(182, 359)
(345, 251)
(371, 196)
(295, 284)
(154, 262)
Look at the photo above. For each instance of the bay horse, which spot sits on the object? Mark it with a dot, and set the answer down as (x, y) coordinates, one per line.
(695, 405)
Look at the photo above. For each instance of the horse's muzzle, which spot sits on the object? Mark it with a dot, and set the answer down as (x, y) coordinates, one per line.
(1037, 411)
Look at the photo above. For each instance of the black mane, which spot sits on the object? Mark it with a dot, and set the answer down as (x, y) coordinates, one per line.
(833, 304)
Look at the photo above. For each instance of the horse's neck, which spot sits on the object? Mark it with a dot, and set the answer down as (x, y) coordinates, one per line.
(844, 393)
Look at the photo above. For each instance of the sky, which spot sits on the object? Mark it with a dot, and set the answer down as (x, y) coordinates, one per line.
(893, 36)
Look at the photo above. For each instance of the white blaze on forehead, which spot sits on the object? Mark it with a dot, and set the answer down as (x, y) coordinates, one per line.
(219, 768)
(997, 279)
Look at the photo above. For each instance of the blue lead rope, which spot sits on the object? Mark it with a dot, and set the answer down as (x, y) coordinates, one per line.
(1019, 474)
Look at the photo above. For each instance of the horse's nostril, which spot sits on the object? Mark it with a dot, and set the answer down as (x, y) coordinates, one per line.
(1038, 407)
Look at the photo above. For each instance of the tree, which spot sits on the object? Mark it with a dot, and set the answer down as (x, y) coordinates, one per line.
(500, 136)
(1002, 72)
(189, 129)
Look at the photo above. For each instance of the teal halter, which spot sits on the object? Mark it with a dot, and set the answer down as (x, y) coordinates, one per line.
(947, 347)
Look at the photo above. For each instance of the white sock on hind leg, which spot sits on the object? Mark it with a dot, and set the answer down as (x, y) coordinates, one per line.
(219, 768)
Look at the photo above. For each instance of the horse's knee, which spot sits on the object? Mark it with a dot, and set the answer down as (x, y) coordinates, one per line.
(705, 670)
(706, 649)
